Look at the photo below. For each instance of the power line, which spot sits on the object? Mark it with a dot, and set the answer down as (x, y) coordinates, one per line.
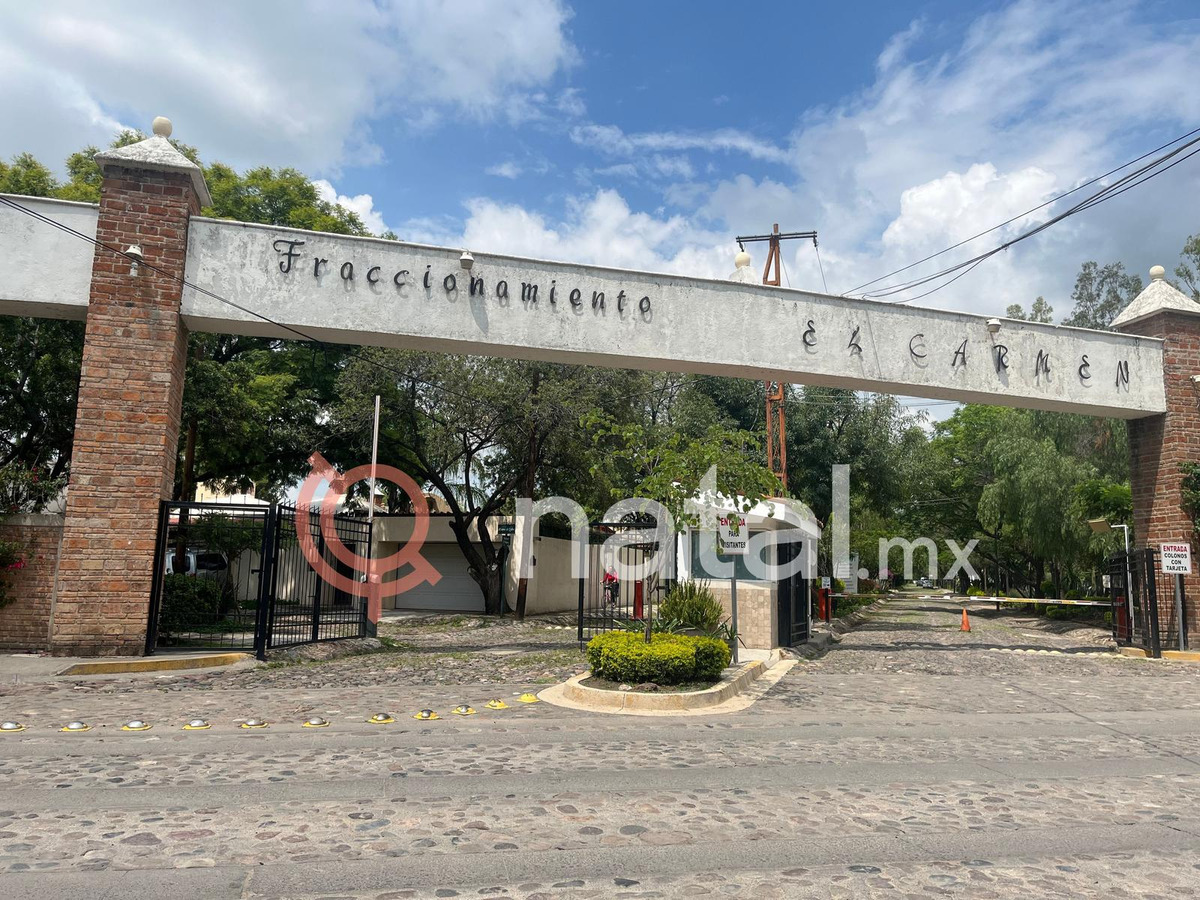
(1106, 192)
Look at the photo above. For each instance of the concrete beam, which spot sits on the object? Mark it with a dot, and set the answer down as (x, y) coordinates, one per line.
(386, 293)
(44, 271)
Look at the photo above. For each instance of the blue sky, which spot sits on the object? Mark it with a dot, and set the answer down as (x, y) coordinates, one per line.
(647, 135)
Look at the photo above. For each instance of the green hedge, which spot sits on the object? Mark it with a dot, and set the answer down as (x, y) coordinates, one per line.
(188, 603)
(668, 659)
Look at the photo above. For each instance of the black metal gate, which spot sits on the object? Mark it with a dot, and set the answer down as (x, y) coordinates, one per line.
(792, 599)
(606, 602)
(1133, 587)
(306, 608)
(235, 577)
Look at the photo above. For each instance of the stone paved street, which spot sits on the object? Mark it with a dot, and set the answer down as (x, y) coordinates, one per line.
(1022, 759)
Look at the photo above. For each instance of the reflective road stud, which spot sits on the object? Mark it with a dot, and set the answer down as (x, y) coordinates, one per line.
(427, 715)
(254, 723)
(136, 725)
(528, 698)
(73, 727)
(11, 727)
(381, 719)
(463, 710)
(196, 725)
(497, 704)
(316, 722)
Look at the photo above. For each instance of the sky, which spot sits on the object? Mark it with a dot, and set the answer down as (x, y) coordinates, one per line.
(648, 135)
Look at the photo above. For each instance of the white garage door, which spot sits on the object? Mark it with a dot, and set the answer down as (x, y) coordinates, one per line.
(455, 591)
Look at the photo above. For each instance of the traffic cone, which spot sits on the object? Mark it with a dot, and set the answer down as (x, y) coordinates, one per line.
(966, 623)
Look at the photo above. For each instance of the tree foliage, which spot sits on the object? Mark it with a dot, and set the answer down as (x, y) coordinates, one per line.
(1100, 293)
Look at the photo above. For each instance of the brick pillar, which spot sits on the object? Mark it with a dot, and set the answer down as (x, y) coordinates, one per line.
(130, 394)
(1158, 445)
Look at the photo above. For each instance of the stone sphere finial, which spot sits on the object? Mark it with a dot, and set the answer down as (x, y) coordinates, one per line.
(742, 259)
(1157, 273)
(161, 126)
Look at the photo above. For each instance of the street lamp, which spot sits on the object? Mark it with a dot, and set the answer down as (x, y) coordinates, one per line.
(1100, 526)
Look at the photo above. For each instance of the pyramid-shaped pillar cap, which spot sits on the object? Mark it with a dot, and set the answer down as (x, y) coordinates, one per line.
(156, 154)
(1159, 296)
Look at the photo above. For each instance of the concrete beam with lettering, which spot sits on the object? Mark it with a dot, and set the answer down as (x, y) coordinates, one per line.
(386, 293)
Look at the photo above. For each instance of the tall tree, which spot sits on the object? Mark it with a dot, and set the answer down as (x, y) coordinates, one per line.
(1100, 293)
(1041, 311)
(1188, 270)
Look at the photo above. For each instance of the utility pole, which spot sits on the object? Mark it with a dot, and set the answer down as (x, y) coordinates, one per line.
(776, 417)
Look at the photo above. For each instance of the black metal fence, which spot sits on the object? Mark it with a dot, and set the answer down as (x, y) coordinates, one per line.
(1134, 589)
(235, 577)
(608, 602)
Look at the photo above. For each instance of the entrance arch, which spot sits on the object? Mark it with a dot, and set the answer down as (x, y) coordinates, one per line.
(215, 275)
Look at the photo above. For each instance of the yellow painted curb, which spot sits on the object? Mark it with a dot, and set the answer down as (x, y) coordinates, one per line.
(1182, 655)
(156, 664)
(1174, 655)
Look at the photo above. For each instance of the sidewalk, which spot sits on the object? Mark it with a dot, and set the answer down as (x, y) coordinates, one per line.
(27, 667)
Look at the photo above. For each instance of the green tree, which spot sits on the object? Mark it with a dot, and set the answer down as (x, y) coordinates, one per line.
(476, 431)
(1041, 311)
(25, 175)
(1188, 270)
(667, 465)
(1100, 293)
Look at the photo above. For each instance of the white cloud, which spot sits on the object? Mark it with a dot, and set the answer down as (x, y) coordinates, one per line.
(1033, 100)
(570, 103)
(507, 169)
(296, 83)
(362, 204)
(598, 228)
(611, 140)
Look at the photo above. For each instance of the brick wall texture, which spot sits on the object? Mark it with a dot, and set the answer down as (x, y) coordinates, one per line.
(1158, 446)
(127, 426)
(25, 620)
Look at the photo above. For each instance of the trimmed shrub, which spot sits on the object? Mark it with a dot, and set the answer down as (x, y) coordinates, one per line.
(693, 604)
(667, 659)
(1073, 594)
(712, 657)
(1048, 588)
(839, 586)
(187, 603)
(974, 592)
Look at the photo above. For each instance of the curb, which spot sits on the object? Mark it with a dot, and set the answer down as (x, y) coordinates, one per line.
(598, 698)
(740, 691)
(156, 664)
(1175, 655)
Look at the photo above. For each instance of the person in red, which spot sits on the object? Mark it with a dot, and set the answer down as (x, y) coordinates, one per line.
(612, 586)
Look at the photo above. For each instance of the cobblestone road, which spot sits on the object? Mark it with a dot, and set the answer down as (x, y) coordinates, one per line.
(912, 760)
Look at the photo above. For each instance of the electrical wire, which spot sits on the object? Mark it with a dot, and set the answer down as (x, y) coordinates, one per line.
(1125, 183)
(1027, 212)
(824, 283)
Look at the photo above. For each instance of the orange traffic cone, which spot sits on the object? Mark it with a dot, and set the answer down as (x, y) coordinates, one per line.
(966, 625)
